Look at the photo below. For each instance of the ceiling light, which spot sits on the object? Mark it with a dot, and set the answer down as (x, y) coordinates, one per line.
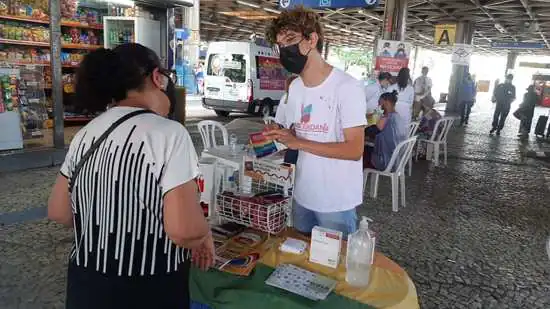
(272, 11)
(208, 23)
(332, 27)
(345, 30)
(252, 5)
(228, 27)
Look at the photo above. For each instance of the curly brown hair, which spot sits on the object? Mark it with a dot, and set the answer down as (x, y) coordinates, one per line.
(299, 19)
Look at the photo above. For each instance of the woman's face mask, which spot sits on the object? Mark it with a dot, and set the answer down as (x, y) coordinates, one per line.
(170, 92)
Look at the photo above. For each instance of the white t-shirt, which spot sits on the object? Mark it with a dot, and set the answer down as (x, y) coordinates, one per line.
(405, 100)
(281, 116)
(422, 86)
(373, 93)
(117, 198)
(320, 114)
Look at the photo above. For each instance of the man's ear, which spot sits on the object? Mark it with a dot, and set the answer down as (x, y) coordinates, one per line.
(313, 40)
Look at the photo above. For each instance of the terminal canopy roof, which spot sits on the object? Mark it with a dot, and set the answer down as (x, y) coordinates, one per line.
(495, 21)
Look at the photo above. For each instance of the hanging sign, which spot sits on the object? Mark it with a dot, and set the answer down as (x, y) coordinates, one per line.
(392, 56)
(328, 4)
(461, 54)
(517, 45)
(445, 34)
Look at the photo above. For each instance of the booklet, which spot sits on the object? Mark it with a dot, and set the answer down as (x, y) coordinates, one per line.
(301, 282)
(264, 147)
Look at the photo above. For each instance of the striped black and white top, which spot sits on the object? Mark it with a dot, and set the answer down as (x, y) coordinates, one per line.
(117, 199)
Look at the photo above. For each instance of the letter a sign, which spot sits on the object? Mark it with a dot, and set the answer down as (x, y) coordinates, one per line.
(445, 34)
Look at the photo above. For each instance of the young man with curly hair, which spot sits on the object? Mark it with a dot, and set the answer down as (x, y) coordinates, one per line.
(328, 126)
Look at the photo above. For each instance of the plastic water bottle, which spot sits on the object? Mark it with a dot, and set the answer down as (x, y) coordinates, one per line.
(233, 143)
(360, 255)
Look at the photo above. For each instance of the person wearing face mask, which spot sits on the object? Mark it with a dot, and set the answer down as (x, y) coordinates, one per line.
(127, 188)
(373, 91)
(329, 119)
(385, 133)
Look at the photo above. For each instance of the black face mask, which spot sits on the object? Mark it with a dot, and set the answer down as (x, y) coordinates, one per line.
(292, 60)
(170, 92)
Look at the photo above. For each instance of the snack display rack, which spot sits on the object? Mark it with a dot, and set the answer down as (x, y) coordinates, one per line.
(263, 201)
(25, 40)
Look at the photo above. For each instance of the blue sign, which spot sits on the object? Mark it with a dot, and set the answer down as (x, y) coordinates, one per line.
(517, 45)
(328, 4)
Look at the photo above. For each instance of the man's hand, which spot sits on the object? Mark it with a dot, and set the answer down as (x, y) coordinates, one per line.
(203, 255)
(285, 136)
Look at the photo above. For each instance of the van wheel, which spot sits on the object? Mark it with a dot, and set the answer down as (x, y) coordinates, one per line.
(267, 108)
(221, 113)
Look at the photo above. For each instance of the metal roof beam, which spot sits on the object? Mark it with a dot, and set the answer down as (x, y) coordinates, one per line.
(534, 19)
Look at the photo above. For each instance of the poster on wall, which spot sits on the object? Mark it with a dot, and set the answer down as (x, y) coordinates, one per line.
(271, 73)
(391, 56)
(462, 54)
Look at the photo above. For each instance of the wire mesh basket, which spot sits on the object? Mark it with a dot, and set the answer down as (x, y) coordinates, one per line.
(265, 203)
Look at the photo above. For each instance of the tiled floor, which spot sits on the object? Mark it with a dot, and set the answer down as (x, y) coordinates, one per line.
(472, 236)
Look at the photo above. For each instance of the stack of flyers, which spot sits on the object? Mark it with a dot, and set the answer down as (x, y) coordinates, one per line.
(234, 262)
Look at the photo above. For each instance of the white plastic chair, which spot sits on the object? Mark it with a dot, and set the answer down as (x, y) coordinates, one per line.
(269, 120)
(207, 129)
(395, 170)
(439, 138)
(413, 129)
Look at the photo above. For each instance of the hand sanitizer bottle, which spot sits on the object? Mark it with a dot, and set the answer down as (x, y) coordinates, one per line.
(360, 255)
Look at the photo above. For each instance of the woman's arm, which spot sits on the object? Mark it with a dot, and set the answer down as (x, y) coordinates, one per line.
(184, 220)
(381, 123)
(59, 203)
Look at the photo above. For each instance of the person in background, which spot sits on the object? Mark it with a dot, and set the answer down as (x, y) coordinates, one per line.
(386, 134)
(405, 98)
(422, 91)
(283, 119)
(425, 131)
(505, 94)
(374, 91)
(132, 199)
(329, 119)
(467, 97)
(526, 111)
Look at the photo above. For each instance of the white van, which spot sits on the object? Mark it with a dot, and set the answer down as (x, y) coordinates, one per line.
(243, 77)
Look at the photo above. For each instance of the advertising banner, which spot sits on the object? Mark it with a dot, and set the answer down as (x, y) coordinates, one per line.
(391, 56)
(271, 73)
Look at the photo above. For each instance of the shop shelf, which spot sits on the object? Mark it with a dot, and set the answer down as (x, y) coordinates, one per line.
(78, 118)
(25, 19)
(26, 43)
(44, 64)
(46, 22)
(81, 25)
(81, 46)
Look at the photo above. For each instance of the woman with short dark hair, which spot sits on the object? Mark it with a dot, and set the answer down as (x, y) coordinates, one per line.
(128, 189)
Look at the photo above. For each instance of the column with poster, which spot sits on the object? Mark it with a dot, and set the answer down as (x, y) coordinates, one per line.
(392, 56)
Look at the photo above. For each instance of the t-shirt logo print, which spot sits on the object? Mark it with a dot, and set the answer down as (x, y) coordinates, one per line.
(306, 113)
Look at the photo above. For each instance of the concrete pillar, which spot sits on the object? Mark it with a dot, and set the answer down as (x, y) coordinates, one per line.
(395, 20)
(57, 83)
(510, 62)
(464, 35)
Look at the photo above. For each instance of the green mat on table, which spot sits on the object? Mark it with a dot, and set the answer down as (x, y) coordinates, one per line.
(225, 291)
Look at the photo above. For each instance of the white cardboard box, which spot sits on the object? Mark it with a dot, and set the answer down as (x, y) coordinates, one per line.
(326, 245)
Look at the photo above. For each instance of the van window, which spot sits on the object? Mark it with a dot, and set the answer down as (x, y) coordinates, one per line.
(232, 66)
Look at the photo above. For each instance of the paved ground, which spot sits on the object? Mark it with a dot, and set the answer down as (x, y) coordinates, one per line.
(473, 234)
